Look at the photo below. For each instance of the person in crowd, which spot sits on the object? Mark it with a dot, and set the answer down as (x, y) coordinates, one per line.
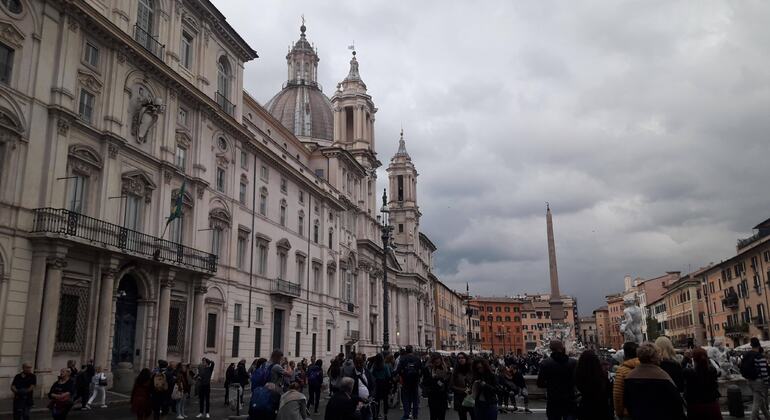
(82, 384)
(701, 391)
(264, 401)
(435, 385)
(521, 388)
(669, 362)
(363, 385)
(687, 359)
(383, 379)
(293, 404)
(205, 370)
(279, 373)
(229, 378)
(61, 395)
(334, 375)
(160, 389)
(99, 382)
(315, 379)
(141, 395)
(648, 391)
(557, 376)
(182, 389)
(754, 369)
(460, 383)
(409, 369)
(241, 377)
(507, 388)
(484, 390)
(630, 362)
(595, 389)
(342, 406)
(22, 387)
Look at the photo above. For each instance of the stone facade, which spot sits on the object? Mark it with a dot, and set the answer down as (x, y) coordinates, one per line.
(451, 319)
(536, 318)
(602, 317)
(588, 334)
(150, 209)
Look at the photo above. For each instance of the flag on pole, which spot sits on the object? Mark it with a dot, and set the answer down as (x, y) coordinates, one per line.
(176, 212)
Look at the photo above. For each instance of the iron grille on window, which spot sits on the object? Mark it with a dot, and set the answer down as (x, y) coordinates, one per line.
(176, 326)
(71, 325)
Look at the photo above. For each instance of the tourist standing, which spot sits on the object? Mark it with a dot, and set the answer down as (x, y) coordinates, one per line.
(99, 382)
(383, 379)
(22, 387)
(630, 362)
(435, 384)
(334, 375)
(649, 393)
(557, 377)
(315, 380)
(341, 406)
(700, 388)
(141, 395)
(754, 369)
(409, 369)
(461, 383)
(229, 377)
(484, 390)
(669, 362)
(182, 390)
(60, 395)
(205, 370)
(82, 384)
(293, 404)
(595, 389)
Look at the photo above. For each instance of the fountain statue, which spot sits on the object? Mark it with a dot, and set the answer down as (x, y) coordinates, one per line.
(631, 324)
(719, 355)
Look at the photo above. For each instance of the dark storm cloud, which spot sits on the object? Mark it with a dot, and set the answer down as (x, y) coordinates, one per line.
(643, 123)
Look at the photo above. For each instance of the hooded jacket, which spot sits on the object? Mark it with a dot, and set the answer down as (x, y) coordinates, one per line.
(651, 394)
(617, 389)
(293, 406)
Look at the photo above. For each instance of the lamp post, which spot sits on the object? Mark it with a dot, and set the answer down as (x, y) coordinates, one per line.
(469, 312)
(491, 334)
(386, 228)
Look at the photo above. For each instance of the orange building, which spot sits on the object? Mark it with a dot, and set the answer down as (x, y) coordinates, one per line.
(602, 316)
(500, 324)
(615, 313)
(536, 317)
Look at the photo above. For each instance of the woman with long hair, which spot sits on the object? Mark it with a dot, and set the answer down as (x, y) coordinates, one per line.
(460, 383)
(141, 402)
(700, 388)
(594, 386)
(484, 390)
(435, 383)
(383, 377)
(669, 361)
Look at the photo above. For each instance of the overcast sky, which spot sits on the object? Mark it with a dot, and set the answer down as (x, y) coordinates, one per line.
(644, 124)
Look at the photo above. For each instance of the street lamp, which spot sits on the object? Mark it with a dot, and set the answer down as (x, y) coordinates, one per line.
(491, 334)
(469, 312)
(386, 228)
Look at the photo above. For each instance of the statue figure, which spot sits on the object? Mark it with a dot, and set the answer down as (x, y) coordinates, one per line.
(718, 354)
(631, 325)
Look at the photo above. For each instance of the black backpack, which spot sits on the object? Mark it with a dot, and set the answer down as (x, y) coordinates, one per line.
(411, 373)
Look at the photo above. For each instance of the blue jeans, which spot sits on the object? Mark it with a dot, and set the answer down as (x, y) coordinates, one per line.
(410, 399)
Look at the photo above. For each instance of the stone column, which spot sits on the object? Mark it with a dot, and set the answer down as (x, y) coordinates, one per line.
(198, 325)
(103, 325)
(47, 335)
(412, 305)
(164, 306)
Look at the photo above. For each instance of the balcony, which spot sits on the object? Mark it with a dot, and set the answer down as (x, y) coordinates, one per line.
(737, 330)
(348, 306)
(285, 288)
(731, 301)
(225, 104)
(149, 42)
(352, 335)
(104, 235)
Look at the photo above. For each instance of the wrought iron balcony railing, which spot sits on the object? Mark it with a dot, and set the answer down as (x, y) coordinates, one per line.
(225, 104)
(104, 234)
(737, 329)
(284, 287)
(148, 41)
(730, 301)
(353, 335)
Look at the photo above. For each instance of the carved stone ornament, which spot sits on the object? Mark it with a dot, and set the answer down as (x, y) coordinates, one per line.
(121, 56)
(183, 139)
(219, 219)
(73, 23)
(85, 154)
(200, 290)
(178, 7)
(200, 191)
(144, 112)
(89, 81)
(62, 126)
(167, 282)
(112, 151)
(222, 160)
(11, 35)
(57, 263)
(138, 183)
(167, 176)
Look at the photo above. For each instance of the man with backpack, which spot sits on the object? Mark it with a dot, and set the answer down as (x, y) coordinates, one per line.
(315, 379)
(159, 389)
(409, 369)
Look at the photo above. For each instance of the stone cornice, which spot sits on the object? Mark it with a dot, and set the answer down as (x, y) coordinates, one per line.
(218, 23)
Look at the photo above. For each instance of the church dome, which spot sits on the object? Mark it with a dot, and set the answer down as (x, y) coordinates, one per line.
(301, 106)
(304, 110)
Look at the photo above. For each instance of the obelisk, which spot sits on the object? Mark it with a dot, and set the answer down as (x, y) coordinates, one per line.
(557, 308)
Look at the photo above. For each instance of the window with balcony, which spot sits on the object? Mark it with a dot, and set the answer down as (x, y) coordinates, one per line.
(77, 192)
(316, 277)
(216, 241)
(242, 246)
(134, 210)
(224, 76)
(144, 30)
(282, 264)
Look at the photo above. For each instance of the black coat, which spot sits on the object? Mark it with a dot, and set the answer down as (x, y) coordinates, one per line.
(674, 370)
(596, 404)
(748, 367)
(557, 376)
(701, 386)
(649, 393)
(340, 407)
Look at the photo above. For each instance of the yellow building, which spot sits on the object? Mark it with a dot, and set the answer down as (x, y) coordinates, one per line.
(451, 319)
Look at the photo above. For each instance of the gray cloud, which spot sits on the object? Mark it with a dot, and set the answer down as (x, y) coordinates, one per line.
(643, 123)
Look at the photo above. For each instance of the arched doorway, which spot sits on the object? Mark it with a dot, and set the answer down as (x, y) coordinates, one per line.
(125, 321)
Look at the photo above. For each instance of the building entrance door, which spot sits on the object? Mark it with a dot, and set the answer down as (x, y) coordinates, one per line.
(278, 329)
(125, 321)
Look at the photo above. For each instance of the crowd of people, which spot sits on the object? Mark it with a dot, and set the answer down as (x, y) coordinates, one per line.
(651, 381)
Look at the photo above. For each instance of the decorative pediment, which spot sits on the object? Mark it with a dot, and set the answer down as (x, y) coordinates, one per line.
(11, 34)
(222, 160)
(90, 81)
(183, 138)
(284, 244)
(331, 266)
(137, 182)
(85, 159)
(261, 237)
(219, 218)
(189, 21)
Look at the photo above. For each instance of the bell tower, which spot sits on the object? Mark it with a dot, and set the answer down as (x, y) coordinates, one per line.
(404, 211)
(353, 112)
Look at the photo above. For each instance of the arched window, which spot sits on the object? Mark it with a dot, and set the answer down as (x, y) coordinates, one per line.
(223, 77)
(13, 6)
